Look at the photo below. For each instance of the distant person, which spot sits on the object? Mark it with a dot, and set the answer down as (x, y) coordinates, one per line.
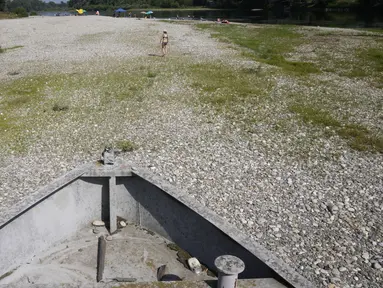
(98, 13)
(164, 42)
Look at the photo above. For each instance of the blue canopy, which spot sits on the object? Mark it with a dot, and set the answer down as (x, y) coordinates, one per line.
(120, 10)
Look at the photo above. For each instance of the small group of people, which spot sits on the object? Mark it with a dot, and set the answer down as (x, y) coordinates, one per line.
(224, 21)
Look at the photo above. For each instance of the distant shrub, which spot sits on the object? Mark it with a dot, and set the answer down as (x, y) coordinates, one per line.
(175, 5)
(33, 13)
(20, 12)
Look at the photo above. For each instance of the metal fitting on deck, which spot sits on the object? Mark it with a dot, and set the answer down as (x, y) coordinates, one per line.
(108, 156)
(228, 267)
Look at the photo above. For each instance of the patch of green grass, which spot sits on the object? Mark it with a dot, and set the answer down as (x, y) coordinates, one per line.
(21, 91)
(375, 30)
(314, 115)
(3, 50)
(17, 97)
(221, 85)
(29, 99)
(151, 74)
(60, 106)
(7, 274)
(4, 123)
(366, 62)
(93, 37)
(15, 47)
(355, 73)
(265, 44)
(126, 145)
(234, 93)
(359, 137)
(375, 57)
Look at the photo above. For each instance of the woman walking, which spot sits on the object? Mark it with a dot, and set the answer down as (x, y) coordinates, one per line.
(164, 42)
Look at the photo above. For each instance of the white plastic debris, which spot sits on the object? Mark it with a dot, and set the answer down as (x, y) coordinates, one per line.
(98, 223)
(194, 265)
(122, 224)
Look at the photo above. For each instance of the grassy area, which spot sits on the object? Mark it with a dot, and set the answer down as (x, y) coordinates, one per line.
(242, 97)
(25, 101)
(359, 137)
(243, 94)
(375, 30)
(375, 58)
(230, 91)
(265, 44)
(366, 60)
(126, 145)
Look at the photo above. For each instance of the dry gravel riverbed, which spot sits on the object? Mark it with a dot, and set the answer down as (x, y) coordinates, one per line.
(78, 83)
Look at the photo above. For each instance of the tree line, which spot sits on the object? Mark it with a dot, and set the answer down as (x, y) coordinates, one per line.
(29, 5)
(38, 5)
(159, 3)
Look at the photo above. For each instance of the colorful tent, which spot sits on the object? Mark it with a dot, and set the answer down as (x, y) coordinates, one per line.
(120, 10)
(80, 11)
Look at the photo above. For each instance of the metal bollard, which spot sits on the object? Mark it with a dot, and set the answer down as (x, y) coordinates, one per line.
(228, 267)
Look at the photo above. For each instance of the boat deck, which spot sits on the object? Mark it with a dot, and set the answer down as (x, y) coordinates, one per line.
(133, 252)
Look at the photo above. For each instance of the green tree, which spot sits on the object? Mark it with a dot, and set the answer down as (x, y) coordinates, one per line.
(20, 12)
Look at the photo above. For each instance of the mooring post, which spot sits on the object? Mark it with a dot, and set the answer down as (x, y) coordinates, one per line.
(228, 267)
(112, 204)
(101, 258)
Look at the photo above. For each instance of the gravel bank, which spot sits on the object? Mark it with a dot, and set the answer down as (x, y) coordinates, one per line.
(321, 213)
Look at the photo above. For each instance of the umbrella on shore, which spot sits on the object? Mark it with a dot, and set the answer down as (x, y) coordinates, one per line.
(143, 12)
(149, 12)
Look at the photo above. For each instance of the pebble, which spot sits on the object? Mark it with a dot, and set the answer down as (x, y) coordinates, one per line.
(109, 238)
(335, 280)
(376, 265)
(335, 272)
(332, 208)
